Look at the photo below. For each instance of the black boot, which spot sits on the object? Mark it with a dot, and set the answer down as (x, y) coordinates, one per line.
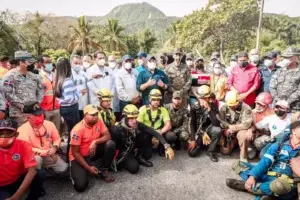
(161, 150)
(144, 162)
(213, 156)
(236, 184)
(177, 145)
(265, 197)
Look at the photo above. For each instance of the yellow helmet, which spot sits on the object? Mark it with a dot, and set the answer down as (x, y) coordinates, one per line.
(104, 95)
(155, 94)
(131, 110)
(231, 98)
(204, 91)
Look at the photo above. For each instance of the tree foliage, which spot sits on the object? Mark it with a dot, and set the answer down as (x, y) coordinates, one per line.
(146, 40)
(55, 54)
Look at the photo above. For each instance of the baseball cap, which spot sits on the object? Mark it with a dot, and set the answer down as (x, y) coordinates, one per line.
(213, 58)
(8, 124)
(290, 52)
(32, 109)
(200, 58)
(270, 55)
(177, 94)
(283, 104)
(90, 109)
(142, 54)
(216, 54)
(150, 57)
(126, 57)
(189, 56)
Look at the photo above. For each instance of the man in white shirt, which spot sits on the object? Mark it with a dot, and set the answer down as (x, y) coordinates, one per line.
(126, 84)
(102, 77)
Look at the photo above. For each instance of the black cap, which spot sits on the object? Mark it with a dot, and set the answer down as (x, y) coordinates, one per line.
(270, 55)
(7, 124)
(33, 109)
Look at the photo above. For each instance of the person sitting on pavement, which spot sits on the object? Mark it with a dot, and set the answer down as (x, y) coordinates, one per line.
(238, 118)
(272, 176)
(90, 143)
(204, 124)
(180, 117)
(158, 118)
(134, 145)
(45, 141)
(18, 165)
(105, 111)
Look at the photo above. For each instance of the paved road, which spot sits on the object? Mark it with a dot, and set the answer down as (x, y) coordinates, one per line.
(181, 179)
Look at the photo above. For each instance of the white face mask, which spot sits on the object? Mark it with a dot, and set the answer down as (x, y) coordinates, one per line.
(268, 63)
(233, 63)
(101, 62)
(140, 61)
(112, 64)
(285, 62)
(211, 63)
(189, 62)
(217, 71)
(86, 64)
(254, 58)
(76, 68)
(128, 65)
(151, 66)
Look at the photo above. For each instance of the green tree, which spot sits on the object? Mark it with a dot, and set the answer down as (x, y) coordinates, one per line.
(146, 40)
(8, 43)
(55, 54)
(82, 40)
(132, 45)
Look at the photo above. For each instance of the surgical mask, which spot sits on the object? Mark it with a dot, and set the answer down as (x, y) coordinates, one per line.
(189, 62)
(233, 63)
(49, 67)
(211, 63)
(76, 68)
(200, 66)
(140, 61)
(268, 63)
(101, 62)
(112, 64)
(128, 65)
(163, 61)
(86, 65)
(176, 57)
(243, 64)
(280, 113)
(218, 71)
(285, 62)
(37, 121)
(5, 142)
(151, 66)
(30, 67)
(254, 58)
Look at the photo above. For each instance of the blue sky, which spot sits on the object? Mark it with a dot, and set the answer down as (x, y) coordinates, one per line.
(98, 7)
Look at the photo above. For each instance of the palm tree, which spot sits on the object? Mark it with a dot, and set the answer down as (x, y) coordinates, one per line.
(114, 39)
(146, 40)
(82, 40)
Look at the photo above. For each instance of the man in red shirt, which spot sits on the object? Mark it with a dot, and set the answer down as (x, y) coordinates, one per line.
(90, 143)
(18, 165)
(244, 79)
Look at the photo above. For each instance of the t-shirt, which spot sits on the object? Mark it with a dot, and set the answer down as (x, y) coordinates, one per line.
(83, 135)
(144, 118)
(277, 125)
(15, 162)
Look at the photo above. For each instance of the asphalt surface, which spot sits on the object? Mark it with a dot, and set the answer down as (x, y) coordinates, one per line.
(184, 178)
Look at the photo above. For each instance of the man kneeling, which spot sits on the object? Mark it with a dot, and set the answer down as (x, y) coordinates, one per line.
(90, 143)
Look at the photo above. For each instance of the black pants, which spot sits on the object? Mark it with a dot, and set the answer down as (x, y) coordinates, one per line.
(131, 164)
(34, 193)
(102, 160)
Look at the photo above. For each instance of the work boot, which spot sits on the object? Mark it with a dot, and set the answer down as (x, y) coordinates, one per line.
(265, 197)
(236, 184)
(161, 150)
(212, 156)
(177, 145)
(144, 162)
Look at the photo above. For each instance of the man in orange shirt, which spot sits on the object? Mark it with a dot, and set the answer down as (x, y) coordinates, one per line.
(18, 165)
(90, 143)
(3, 66)
(45, 141)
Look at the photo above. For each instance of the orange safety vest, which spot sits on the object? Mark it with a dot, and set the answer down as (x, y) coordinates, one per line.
(49, 102)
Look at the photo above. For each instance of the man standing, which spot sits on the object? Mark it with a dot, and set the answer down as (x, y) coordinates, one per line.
(179, 77)
(244, 79)
(86, 62)
(267, 71)
(49, 104)
(232, 63)
(254, 58)
(189, 60)
(90, 142)
(284, 84)
(22, 87)
(142, 61)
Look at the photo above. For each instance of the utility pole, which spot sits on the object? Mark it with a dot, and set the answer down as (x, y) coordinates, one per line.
(262, 2)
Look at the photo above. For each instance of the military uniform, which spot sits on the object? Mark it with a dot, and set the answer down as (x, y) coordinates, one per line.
(241, 118)
(179, 78)
(20, 89)
(179, 121)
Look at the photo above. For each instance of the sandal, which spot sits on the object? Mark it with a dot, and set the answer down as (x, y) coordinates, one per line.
(105, 176)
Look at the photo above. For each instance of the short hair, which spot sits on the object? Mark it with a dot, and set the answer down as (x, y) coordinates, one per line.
(89, 55)
(13, 61)
(98, 52)
(242, 54)
(295, 124)
(75, 56)
(4, 58)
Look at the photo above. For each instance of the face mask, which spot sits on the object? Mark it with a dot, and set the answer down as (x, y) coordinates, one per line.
(200, 66)
(128, 65)
(140, 61)
(5, 142)
(268, 63)
(176, 57)
(49, 67)
(218, 71)
(86, 65)
(233, 63)
(163, 61)
(30, 67)
(254, 58)
(112, 64)
(76, 68)
(280, 113)
(101, 62)
(189, 62)
(211, 63)
(151, 66)
(243, 64)
(285, 62)
(37, 121)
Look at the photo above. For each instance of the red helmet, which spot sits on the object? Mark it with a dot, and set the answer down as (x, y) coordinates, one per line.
(264, 98)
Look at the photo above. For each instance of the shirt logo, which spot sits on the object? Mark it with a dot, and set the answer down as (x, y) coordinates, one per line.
(16, 157)
(274, 127)
(75, 137)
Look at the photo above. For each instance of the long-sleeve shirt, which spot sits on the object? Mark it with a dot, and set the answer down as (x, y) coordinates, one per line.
(80, 81)
(69, 94)
(266, 75)
(126, 84)
(243, 79)
(116, 100)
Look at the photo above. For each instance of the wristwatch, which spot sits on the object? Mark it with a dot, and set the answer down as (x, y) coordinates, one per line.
(167, 145)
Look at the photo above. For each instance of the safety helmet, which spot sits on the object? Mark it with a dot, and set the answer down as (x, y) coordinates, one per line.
(131, 110)
(155, 94)
(264, 98)
(231, 98)
(204, 91)
(104, 95)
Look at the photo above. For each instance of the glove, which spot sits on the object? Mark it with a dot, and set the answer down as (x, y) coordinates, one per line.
(169, 153)
(206, 139)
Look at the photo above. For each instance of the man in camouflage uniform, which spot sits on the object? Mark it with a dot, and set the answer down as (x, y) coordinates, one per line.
(236, 118)
(22, 89)
(179, 118)
(284, 84)
(179, 77)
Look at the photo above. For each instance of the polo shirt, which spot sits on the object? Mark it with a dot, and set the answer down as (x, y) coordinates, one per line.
(144, 117)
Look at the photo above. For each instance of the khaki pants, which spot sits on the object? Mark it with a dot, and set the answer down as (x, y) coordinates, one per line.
(59, 166)
(243, 143)
(54, 116)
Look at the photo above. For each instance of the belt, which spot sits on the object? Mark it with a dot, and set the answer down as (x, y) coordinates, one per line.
(277, 174)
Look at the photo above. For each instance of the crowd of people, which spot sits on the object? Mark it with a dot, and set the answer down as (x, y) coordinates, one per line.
(93, 114)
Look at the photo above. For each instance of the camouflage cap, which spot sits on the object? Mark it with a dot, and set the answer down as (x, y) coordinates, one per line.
(291, 51)
(216, 54)
(177, 94)
(189, 56)
(24, 55)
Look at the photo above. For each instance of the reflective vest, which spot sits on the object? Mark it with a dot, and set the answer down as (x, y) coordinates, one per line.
(49, 102)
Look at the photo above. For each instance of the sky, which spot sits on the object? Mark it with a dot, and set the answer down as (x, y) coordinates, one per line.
(177, 8)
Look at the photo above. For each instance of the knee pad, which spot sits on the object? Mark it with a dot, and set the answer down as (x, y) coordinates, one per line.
(280, 186)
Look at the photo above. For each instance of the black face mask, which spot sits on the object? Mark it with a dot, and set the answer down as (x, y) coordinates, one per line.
(243, 64)
(200, 66)
(163, 61)
(280, 113)
(30, 67)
